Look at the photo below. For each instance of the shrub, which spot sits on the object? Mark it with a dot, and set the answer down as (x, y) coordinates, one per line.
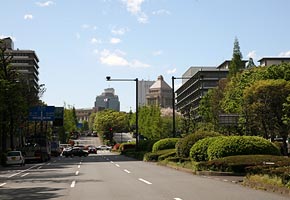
(153, 156)
(167, 155)
(198, 151)
(167, 143)
(184, 145)
(146, 145)
(241, 145)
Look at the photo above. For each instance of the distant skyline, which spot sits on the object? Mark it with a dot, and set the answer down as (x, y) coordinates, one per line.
(79, 43)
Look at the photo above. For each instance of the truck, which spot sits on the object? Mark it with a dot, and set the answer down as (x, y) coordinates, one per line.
(38, 150)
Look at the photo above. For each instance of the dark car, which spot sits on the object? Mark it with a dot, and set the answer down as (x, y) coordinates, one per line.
(92, 150)
(75, 151)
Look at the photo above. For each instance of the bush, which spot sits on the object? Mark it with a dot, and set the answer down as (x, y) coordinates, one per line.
(153, 156)
(167, 143)
(241, 145)
(198, 151)
(184, 145)
(240, 164)
(146, 145)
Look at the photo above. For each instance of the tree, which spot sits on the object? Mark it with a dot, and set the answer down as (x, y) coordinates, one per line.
(265, 102)
(236, 64)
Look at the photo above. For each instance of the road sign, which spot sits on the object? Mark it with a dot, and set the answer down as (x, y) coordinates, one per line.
(41, 113)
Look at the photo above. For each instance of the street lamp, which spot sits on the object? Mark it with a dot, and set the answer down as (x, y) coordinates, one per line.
(136, 80)
(173, 103)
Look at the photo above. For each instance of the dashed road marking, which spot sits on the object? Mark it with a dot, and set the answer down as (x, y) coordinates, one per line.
(24, 175)
(73, 184)
(144, 181)
(2, 184)
(177, 199)
(125, 170)
(77, 173)
(39, 167)
(79, 166)
(22, 171)
(117, 165)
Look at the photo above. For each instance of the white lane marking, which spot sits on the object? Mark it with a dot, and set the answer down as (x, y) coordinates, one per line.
(24, 175)
(147, 182)
(39, 167)
(125, 170)
(2, 184)
(55, 160)
(79, 166)
(77, 173)
(112, 162)
(80, 163)
(177, 199)
(48, 163)
(73, 184)
(117, 165)
(22, 171)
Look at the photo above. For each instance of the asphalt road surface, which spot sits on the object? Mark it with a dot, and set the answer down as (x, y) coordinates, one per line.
(110, 176)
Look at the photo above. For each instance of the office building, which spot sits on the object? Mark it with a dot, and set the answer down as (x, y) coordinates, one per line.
(107, 100)
(143, 89)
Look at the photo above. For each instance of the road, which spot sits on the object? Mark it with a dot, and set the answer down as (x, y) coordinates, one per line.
(110, 176)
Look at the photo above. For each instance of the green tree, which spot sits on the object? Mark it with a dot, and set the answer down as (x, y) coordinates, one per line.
(236, 64)
(264, 103)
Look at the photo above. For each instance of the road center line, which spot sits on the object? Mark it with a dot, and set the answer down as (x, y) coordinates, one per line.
(147, 182)
(125, 170)
(79, 166)
(117, 165)
(112, 162)
(24, 175)
(39, 167)
(2, 184)
(77, 173)
(177, 199)
(73, 184)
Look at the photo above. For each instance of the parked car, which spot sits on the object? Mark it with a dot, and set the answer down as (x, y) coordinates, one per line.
(92, 150)
(75, 151)
(15, 158)
(104, 147)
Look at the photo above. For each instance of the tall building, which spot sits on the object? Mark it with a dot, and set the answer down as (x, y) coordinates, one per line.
(143, 89)
(160, 94)
(107, 100)
(25, 62)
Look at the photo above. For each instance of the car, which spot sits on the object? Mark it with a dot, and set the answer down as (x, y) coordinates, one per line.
(15, 158)
(104, 147)
(92, 150)
(75, 151)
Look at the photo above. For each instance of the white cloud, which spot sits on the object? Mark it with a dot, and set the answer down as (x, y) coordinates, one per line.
(115, 40)
(171, 71)
(134, 7)
(285, 54)
(78, 36)
(157, 53)
(45, 4)
(95, 41)
(120, 31)
(85, 26)
(138, 64)
(252, 54)
(117, 58)
(28, 17)
(96, 51)
(161, 12)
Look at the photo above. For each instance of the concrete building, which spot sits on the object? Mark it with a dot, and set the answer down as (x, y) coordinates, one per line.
(268, 61)
(143, 89)
(160, 94)
(83, 114)
(107, 100)
(25, 62)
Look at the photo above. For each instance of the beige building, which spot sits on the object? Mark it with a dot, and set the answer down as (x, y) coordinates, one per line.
(268, 61)
(83, 114)
(160, 94)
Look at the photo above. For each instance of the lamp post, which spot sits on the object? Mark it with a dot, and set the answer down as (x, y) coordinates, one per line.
(136, 80)
(173, 104)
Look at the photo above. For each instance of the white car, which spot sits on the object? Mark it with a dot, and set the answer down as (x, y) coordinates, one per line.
(104, 147)
(15, 158)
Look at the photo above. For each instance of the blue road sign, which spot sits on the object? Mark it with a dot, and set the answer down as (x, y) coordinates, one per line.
(41, 113)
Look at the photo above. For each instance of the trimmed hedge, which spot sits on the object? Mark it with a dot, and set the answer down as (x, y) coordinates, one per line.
(154, 156)
(146, 145)
(166, 143)
(241, 145)
(184, 145)
(198, 151)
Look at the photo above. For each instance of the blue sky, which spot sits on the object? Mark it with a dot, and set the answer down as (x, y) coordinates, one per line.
(80, 42)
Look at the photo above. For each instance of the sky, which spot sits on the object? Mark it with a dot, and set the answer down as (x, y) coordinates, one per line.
(80, 42)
